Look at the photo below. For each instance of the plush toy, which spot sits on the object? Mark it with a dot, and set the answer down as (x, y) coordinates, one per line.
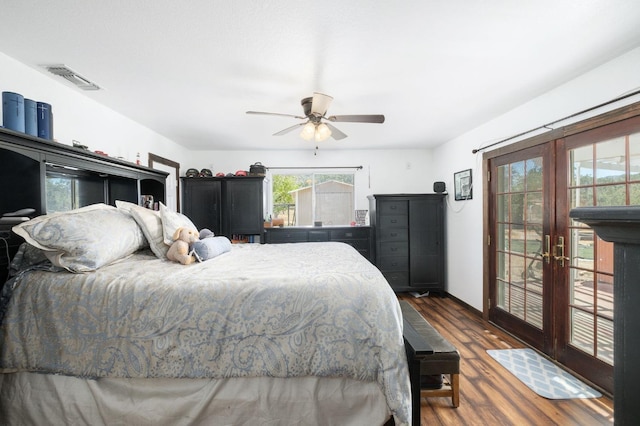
(206, 233)
(179, 250)
(209, 247)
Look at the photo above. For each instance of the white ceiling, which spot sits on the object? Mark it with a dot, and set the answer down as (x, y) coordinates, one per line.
(435, 68)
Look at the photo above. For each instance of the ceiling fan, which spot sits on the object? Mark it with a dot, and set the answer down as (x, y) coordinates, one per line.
(317, 126)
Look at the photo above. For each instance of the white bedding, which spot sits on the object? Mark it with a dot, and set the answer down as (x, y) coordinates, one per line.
(45, 399)
(276, 311)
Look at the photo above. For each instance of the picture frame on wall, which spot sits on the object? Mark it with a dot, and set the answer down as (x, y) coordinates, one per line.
(463, 185)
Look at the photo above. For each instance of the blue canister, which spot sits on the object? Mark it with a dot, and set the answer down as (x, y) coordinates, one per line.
(13, 111)
(30, 117)
(44, 120)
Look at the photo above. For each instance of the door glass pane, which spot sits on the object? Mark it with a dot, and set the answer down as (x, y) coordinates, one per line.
(502, 237)
(581, 197)
(582, 329)
(502, 208)
(604, 302)
(502, 268)
(534, 240)
(503, 295)
(534, 207)
(534, 309)
(581, 166)
(605, 340)
(503, 178)
(610, 161)
(634, 157)
(604, 256)
(517, 208)
(517, 302)
(534, 174)
(611, 195)
(634, 194)
(517, 176)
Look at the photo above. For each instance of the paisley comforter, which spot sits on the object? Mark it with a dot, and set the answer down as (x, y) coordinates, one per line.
(287, 310)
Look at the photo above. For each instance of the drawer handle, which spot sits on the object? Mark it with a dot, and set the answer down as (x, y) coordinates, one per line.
(394, 234)
(348, 234)
(393, 207)
(394, 248)
(394, 221)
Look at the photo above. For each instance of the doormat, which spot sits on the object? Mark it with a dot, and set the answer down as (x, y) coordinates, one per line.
(541, 375)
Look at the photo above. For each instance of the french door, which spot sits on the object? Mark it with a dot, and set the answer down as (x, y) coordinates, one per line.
(551, 278)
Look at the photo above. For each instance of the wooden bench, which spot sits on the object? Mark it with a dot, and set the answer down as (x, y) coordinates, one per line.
(429, 354)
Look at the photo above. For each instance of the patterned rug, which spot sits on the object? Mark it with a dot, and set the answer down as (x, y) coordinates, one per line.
(541, 375)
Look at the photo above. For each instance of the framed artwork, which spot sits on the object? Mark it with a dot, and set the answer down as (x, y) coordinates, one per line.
(463, 185)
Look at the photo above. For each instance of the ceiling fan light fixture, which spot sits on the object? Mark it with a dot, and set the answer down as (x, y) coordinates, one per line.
(322, 132)
(320, 104)
(308, 131)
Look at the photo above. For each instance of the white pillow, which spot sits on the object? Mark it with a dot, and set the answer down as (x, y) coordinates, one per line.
(171, 221)
(150, 223)
(84, 239)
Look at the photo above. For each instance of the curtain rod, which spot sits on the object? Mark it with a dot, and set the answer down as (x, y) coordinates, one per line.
(316, 168)
(546, 126)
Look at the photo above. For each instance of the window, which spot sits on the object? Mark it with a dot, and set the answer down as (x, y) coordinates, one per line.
(69, 189)
(302, 199)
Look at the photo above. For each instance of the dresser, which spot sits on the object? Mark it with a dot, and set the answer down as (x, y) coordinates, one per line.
(409, 240)
(359, 237)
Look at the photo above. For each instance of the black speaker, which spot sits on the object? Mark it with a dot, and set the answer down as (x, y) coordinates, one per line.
(439, 187)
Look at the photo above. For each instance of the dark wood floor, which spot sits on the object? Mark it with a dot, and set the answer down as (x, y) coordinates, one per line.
(489, 394)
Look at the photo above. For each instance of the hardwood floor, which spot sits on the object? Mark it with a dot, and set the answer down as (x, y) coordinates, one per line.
(489, 394)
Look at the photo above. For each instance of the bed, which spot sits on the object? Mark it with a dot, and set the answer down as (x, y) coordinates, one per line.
(305, 333)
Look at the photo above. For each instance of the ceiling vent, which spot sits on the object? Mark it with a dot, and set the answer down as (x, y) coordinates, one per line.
(71, 76)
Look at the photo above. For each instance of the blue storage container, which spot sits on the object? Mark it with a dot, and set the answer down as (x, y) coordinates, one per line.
(30, 117)
(44, 120)
(13, 111)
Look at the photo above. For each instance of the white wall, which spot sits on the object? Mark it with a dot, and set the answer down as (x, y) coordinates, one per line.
(464, 219)
(77, 117)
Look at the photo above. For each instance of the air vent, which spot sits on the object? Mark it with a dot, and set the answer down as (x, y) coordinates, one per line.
(71, 76)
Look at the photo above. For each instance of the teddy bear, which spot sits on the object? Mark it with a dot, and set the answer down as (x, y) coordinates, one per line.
(179, 250)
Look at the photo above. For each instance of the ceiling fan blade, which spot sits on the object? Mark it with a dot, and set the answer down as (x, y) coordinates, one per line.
(276, 113)
(289, 129)
(362, 118)
(320, 104)
(335, 133)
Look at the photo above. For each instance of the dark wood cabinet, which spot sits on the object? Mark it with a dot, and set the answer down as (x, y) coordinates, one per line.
(359, 237)
(201, 202)
(409, 240)
(31, 170)
(228, 205)
(242, 206)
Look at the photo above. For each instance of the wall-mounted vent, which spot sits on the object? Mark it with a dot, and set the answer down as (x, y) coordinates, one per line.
(71, 76)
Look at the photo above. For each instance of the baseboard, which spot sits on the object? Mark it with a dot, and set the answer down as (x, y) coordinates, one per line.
(465, 305)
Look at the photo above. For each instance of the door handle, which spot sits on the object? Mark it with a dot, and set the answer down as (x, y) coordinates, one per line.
(558, 251)
(547, 248)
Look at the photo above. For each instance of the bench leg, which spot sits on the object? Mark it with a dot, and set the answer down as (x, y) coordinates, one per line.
(455, 389)
(414, 376)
